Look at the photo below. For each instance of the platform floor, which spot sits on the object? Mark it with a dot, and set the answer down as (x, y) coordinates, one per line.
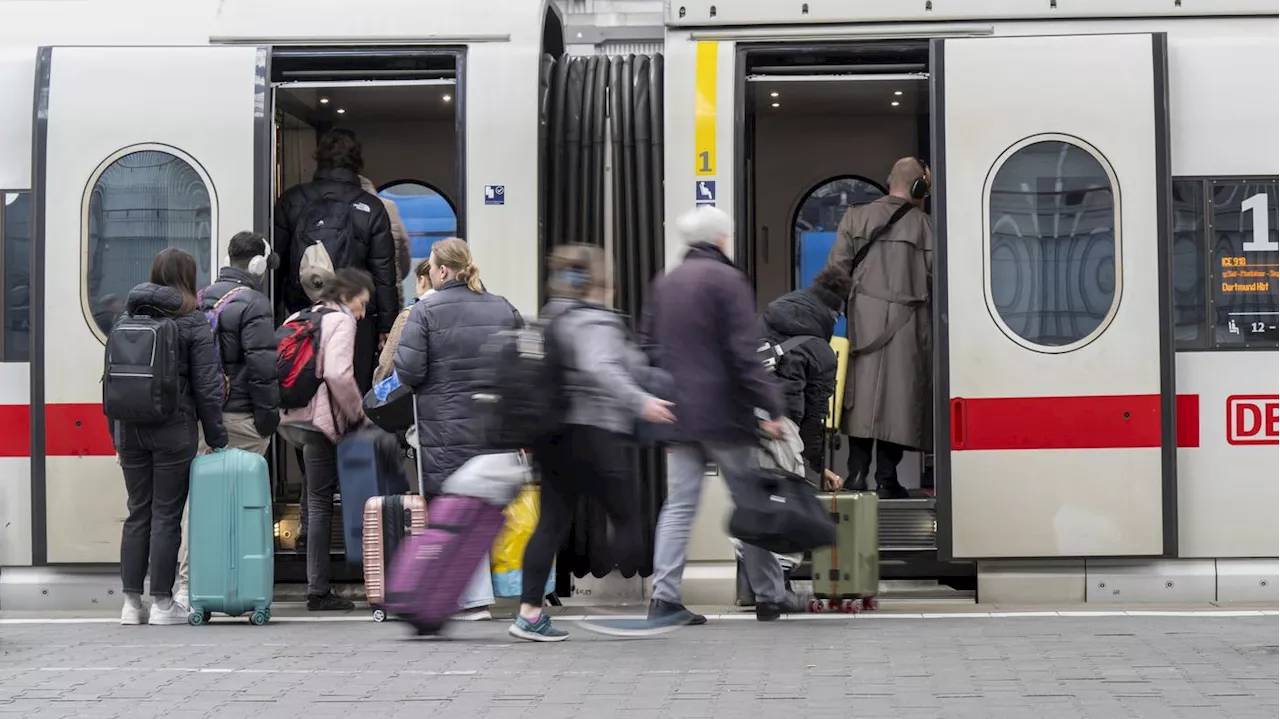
(907, 660)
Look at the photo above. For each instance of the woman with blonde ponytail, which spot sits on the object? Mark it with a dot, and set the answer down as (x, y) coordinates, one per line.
(438, 357)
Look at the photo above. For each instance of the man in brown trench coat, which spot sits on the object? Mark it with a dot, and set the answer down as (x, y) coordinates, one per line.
(888, 388)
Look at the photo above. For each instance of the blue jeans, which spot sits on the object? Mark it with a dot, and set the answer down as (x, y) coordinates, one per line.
(685, 465)
(479, 591)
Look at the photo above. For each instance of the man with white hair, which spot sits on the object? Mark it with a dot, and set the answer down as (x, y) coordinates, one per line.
(702, 318)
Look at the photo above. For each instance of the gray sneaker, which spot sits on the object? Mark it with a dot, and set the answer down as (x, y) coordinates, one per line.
(539, 631)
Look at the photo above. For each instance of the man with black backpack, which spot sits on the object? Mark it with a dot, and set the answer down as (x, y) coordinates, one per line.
(332, 223)
(886, 247)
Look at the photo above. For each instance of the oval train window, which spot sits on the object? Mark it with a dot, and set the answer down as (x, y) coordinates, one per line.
(1053, 271)
(141, 202)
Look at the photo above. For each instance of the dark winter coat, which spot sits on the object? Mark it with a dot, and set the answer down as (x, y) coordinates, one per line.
(247, 340)
(375, 250)
(702, 318)
(199, 382)
(439, 357)
(806, 374)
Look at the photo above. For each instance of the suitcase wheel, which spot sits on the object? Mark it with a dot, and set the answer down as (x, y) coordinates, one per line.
(260, 617)
(195, 619)
(850, 606)
(817, 606)
(870, 604)
(379, 615)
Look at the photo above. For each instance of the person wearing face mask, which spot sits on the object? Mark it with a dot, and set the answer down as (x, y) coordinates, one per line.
(336, 409)
(246, 344)
(587, 457)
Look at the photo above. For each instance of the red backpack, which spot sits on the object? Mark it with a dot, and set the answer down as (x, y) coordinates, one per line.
(298, 342)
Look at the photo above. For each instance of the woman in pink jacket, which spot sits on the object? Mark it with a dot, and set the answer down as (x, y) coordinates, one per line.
(336, 409)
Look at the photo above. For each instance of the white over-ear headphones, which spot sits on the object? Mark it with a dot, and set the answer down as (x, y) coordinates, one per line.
(259, 265)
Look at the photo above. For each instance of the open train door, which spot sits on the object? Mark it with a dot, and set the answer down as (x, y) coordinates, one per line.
(136, 149)
(1054, 350)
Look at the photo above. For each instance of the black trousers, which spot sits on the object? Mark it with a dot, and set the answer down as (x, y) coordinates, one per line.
(156, 460)
(887, 455)
(578, 462)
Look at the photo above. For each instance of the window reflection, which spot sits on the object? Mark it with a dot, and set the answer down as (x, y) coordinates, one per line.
(140, 204)
(1052, 245)
(15, 233)
(1244, 271)
(1189, 298)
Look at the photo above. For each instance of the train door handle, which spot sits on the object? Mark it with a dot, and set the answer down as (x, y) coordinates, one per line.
(958, 418)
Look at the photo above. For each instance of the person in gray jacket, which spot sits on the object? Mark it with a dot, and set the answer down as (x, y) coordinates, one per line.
(586, 457)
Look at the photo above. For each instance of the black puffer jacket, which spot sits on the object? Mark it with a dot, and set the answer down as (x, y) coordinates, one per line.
(439, 357)
(200, 385)
(375, 250)
(247, 339)
(806, 374)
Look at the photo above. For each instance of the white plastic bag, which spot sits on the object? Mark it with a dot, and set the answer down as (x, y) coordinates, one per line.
(494, 478)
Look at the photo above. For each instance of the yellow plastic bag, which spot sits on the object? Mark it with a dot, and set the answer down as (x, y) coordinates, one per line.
(507, 559)
(841, 347)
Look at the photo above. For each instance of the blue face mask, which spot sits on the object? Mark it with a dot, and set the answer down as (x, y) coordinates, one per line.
(573, 277)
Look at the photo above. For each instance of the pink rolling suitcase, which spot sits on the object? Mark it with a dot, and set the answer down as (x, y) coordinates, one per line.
(430, 571)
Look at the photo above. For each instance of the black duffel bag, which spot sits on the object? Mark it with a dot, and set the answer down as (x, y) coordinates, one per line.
(389, 405)
(781, 514)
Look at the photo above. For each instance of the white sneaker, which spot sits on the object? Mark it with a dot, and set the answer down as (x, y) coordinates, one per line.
(182, 597)
(480, 614)
(167, 612)
(133, 615)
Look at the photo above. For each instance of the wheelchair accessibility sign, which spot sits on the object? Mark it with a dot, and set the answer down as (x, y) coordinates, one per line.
(495, 194)
(704, 193)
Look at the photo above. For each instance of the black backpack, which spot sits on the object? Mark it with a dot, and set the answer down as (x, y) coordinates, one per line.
(297, 355)
(324, 241)
(140, 381)
(522, 398)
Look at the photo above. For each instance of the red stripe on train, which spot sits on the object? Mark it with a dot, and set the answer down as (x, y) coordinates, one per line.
(80, 430)
(71, 430)
(1100, 422)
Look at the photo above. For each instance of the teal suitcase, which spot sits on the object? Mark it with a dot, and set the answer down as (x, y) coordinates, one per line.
(230, 538)
(849, 571)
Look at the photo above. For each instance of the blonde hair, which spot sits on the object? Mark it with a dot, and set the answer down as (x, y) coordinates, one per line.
(454, 254)
(576, 270)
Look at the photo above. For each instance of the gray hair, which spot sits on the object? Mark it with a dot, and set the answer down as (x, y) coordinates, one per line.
(704, 224)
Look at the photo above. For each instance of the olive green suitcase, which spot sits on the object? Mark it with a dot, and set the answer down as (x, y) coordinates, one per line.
(850, 570)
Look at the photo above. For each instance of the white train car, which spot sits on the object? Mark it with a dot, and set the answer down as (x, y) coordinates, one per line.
(131, 124)
(1105, 198)
(1105, 287)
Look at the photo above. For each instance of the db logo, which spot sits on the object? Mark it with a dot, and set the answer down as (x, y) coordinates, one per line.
(1253, 419)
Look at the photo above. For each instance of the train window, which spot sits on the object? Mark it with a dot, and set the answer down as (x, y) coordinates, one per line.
(1244, 263)
(818, 216)
(15, 306)
(142, 201)
(1053, 250)
(1190, 314)
(428, 216)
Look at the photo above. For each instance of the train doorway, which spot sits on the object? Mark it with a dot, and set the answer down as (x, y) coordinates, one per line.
(406, 108)
(822, 128)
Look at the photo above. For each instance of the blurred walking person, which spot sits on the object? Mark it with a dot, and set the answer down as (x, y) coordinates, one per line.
(702, 318)
(589, 455)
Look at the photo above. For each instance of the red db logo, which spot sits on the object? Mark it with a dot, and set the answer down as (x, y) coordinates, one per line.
(1253, 419)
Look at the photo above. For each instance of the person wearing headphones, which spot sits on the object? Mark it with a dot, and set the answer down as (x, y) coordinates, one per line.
(886, 247)
(246, 344)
